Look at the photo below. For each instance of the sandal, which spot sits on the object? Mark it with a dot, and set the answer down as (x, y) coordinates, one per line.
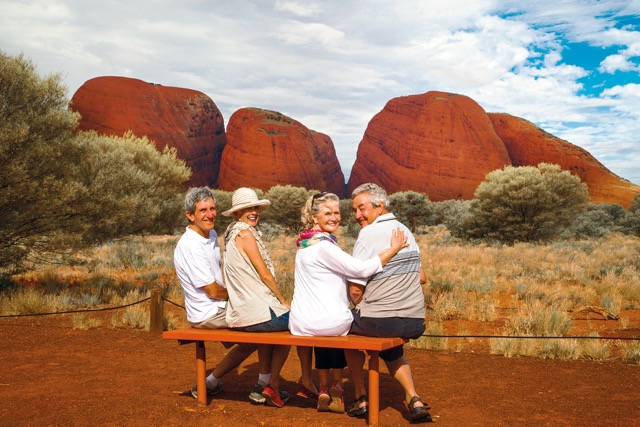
(420, 412)
(356, 410)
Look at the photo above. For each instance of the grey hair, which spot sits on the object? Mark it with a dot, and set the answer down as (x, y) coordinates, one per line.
(311, 207)
(377, 195)
(195, 195)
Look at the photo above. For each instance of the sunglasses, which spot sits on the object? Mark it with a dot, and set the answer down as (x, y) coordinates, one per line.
(319, 196)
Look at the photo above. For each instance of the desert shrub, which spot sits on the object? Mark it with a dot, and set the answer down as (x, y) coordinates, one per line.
(449, 305)
(597, 221)
(536, 319)
(631, 222)
(594, 349)
(6, 284)
(62, 190)
(565, 349)
(630, 351)
(453, 214)
(83, 322)
(25, 301)
(223, 202)
(350, 228)
(412, 209)
(431, 342)
(526, 203)
(286, 206)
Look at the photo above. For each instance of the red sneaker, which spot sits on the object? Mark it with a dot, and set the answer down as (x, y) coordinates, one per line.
(272, 398)
(306, 393)
(323, 400)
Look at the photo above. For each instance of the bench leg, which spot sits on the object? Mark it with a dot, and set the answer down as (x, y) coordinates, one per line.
(374, 387)
(201, 372)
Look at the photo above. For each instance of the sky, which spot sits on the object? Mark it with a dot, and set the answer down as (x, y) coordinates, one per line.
(570, 67)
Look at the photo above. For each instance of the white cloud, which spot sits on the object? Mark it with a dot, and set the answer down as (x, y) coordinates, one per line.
(332, 64)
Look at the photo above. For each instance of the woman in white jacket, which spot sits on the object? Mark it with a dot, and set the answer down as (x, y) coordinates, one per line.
(320, 305)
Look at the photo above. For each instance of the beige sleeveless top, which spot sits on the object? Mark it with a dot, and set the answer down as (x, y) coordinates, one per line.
(249, 298)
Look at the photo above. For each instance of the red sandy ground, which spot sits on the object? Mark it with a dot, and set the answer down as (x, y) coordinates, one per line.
(54, 375)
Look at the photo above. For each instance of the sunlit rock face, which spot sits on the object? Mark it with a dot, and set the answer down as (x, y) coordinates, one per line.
(176, 117)
(528, 145)
(437, 143)
(265, 148)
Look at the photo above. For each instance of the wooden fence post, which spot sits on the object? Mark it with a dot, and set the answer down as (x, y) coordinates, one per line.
(156, 324)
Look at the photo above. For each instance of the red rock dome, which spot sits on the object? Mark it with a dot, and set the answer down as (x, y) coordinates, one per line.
(266, 148)
(182, 118)
(437, 143)
(528, 145)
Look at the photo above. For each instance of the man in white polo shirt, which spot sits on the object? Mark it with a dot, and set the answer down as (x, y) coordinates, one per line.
(388, 304)
(197, 262)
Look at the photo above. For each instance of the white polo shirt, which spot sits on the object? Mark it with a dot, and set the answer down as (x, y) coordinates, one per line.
(197, 263)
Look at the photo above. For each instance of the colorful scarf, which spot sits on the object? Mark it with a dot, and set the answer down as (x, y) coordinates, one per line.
(311, 237)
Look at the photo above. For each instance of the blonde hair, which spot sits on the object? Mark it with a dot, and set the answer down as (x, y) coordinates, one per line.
(311, 207)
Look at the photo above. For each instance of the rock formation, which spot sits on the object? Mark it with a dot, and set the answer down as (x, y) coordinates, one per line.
(528, 145)
(437, 143)
(443, 145)
(182, 118)
(265, 148)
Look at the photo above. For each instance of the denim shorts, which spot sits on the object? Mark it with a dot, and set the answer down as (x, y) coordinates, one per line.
(276, 324)
(403, 327)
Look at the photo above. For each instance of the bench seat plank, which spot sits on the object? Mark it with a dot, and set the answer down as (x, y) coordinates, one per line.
(352, 342)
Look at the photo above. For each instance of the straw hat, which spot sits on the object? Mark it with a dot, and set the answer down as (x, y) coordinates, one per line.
(244, 198)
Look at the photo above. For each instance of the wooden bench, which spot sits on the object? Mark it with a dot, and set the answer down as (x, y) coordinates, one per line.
(372, 345)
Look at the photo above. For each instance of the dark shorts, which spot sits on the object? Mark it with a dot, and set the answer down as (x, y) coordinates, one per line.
(329, 358)
(403, 327)
(276, 324)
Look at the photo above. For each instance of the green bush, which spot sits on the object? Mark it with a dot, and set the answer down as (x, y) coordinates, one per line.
(453, 215)
(597, 221)
(62, 190)
(412, 209)
(286, 206)
(526, 203)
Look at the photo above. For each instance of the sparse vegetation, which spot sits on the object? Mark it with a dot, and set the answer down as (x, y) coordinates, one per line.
(64, 190)
(524, 289)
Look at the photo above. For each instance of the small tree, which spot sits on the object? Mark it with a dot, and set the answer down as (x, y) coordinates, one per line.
(526, 203)
(347, 219)
(631, 220)
(286, 206)
(223, 202)
(453, 214)
(61, 191)
(597, 221)
(411, 208)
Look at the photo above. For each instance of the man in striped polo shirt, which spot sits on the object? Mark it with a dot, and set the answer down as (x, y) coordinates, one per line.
(388, 304)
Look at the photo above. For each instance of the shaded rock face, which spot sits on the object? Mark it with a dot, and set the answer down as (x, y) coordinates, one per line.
(185, 119)
(265, 148)
(528, 145)
(437, 143)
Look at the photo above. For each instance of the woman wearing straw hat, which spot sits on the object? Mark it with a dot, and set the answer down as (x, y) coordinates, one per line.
(255, 302)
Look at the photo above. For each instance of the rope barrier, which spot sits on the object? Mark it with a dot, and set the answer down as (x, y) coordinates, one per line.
(423, 335)
(77, 311)
(171, 302)
(534, 337)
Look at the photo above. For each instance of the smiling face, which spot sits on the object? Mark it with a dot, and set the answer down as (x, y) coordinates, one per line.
(249, 215)
(364, 210)
(328, 217)
(203, 219)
